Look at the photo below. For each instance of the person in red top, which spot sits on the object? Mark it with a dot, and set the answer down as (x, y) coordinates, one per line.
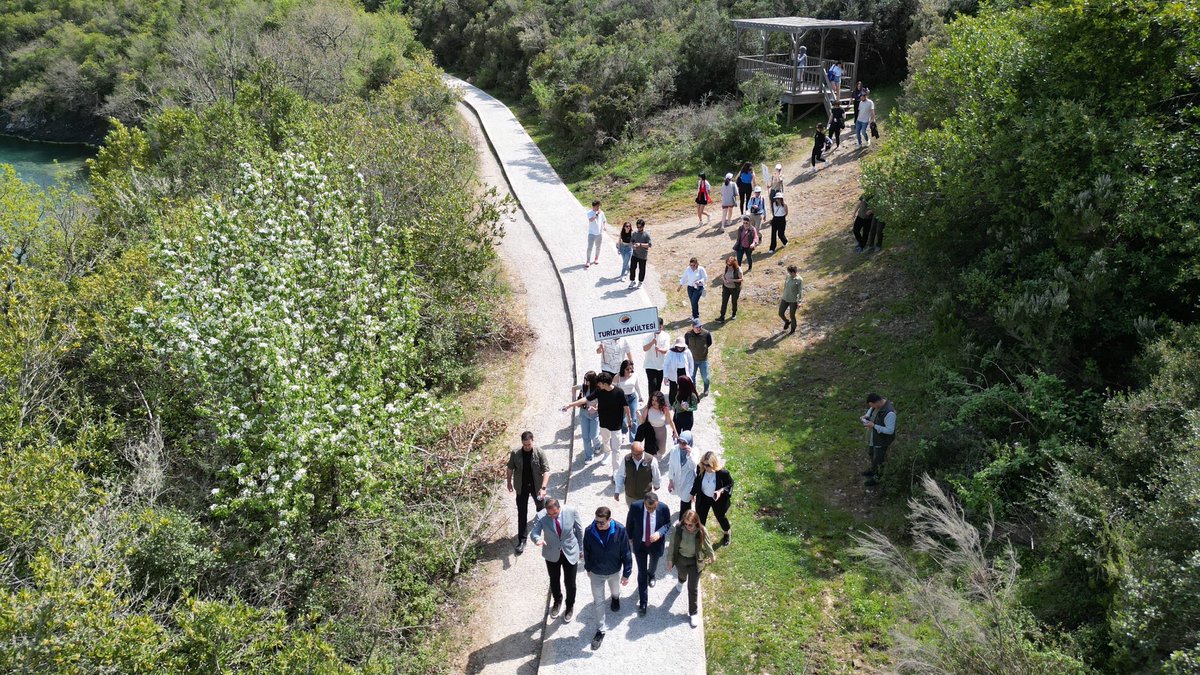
(703, 199)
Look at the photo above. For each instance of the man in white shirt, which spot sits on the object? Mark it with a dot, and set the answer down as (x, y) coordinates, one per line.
(678, 362)
(597, 221)
(656, 347)
(866, 115)
(612, 351)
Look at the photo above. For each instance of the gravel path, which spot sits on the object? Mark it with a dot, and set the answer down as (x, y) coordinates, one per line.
(546, 243)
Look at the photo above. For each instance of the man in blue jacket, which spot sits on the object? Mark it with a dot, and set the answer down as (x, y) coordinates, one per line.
(648, 523)
(605, 557)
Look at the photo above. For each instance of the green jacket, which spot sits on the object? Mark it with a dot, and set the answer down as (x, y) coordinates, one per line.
(793, 289)
(705, 548)
(539, 465)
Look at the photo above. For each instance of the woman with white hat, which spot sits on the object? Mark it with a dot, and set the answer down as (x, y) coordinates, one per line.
(729, 200)
(758, 208)
(678, 361)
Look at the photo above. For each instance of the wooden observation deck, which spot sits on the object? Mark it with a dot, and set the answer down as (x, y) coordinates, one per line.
(801, 80)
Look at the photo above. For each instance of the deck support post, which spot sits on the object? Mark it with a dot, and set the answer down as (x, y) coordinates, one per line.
(857, 44)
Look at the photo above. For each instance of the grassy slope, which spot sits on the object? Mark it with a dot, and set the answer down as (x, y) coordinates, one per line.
(787, 597)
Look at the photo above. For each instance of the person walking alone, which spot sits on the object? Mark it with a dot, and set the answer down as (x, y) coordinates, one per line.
(681, 471)
(729, 200)
(608, 563)
(862, 223)
(691, 550)
(597, 221)
(656, 348)
(880, 421)
(747, 240)
(648, 523)
(528, 475)
(698, 340)
(641, 254)
(793, 290)
(625, 247)
(712, 491)
(864, 118)
(745, 182)
(731, 287)
(558, 532)
(703, 199)
(779, 212)
(820, 140)
(637, 475)
(694, 279)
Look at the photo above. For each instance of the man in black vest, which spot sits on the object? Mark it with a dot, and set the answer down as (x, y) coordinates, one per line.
(880, 421)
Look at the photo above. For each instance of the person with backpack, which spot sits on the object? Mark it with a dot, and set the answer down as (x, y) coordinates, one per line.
(703, 199)
(758, 208)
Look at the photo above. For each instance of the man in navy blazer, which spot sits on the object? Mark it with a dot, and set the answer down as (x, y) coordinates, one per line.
(648, 523)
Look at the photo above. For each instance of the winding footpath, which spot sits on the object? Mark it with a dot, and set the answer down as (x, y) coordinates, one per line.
(544, 246)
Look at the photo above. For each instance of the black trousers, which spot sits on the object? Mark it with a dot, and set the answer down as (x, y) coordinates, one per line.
(647, 566)
(684, 507)
(637, 266)
(719, 509)
(861, 227)
(744, 191)
(816, 155)
(875, 237)
(836, 134)
(654, 380)
(728, 294)
(684, 421)
(778, 224)
(673, 386)
(876, 455)
(523, 509)
(568, 579)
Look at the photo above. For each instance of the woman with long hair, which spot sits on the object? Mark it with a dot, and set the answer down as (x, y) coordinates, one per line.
(731, 286)
(653, 423)
(628, 382)
(745, 183)
(686, 400)
(712, 491)
(625, 246)
(589, 417)
(703, 199)
(691, 550)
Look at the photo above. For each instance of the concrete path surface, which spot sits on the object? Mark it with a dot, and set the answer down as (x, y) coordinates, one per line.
(552, 270)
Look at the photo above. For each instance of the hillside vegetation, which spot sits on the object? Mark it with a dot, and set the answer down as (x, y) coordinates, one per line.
(1044, 169)
(227, 375)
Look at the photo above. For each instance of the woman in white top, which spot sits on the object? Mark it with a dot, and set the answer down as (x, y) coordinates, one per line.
(653, 423)
(729, 199)
(694, 279)
(627, 380)
(779, 212)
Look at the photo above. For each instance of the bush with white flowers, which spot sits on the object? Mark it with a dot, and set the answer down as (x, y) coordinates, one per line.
(294, 318)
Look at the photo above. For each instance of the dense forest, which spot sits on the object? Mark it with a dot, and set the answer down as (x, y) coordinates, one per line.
(227, 373)
(1044, 169)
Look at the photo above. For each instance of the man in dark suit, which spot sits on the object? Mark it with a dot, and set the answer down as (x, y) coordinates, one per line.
(558, 532)
(648, 523)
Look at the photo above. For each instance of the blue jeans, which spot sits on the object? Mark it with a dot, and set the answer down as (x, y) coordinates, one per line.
(631, 400)
(626, 254)
(861, 131)
(702, 368)
(589, 428)
(694, 295)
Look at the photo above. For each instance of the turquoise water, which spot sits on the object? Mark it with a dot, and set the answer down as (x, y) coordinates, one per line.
(41, 163)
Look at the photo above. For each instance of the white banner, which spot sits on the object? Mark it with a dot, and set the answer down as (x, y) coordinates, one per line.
(624, 324)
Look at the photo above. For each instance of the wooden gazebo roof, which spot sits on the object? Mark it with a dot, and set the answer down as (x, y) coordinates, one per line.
(797, 24)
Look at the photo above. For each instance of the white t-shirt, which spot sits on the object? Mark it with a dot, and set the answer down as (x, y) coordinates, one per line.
(596, 222)
(866, 110)
(654, 360)
(612, 354)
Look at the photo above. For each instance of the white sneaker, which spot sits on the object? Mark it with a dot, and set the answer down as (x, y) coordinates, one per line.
(695, 621)
(678, 583)
(633, 284)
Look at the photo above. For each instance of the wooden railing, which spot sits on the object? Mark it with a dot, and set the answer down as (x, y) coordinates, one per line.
(780, 67)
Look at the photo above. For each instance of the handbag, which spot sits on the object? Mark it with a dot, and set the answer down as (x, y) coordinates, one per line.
(648, 438)
(874, 131)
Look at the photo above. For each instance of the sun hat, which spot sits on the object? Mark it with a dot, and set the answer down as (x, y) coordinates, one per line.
(757, 189)
(778, 166)
(728, 176)
(680, 342)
